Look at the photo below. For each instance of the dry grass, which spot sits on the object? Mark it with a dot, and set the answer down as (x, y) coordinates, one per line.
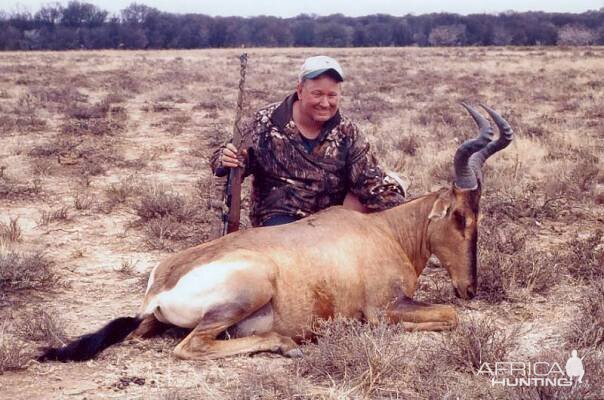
(59, 215)
(477, 340)
(42, 327)
(587, 326)
(12, 189)
(78, 127)
(253, 382)
(14, 354)
(82, 201)
(590, 389)
(127, 268)
(11, 231)
(585, 256)
(25, 271)
(363, 360)
(168, 218)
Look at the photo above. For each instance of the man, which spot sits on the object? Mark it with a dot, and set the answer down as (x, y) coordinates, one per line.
(305, 156)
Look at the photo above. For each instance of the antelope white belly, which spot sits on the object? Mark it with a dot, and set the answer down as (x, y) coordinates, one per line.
(195, 293)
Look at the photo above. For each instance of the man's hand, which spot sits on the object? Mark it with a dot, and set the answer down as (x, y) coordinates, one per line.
(230, 157)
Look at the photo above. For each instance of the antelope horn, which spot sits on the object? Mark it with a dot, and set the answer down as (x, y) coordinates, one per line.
(506, 134)
(465, 177)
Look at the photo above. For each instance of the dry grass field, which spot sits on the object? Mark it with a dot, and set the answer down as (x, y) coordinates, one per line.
(103, 172)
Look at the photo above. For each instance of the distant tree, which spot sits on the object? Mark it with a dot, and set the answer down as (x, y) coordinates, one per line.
(334, 34)
(402, 33)
(81, 24)
(218, 32)
(480, 29)
(303, 30)
(22, 20)
(600, 36)
(137, 14)
(447, 35)
(573, 35)
(269, 31)
(67, 38)
(77, 15)
(10, 37)
(49, 15)
(501, 35)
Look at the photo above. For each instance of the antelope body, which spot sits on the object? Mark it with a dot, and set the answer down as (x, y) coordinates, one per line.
(264, 288)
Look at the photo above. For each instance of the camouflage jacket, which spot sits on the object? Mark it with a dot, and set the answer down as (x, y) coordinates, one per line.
(289, 179)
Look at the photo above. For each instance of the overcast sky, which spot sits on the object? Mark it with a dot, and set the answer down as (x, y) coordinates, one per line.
(354, 8)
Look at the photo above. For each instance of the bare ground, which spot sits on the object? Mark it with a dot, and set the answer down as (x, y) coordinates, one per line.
(171, 108)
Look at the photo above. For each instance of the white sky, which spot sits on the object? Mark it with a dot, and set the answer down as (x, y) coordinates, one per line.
(354, 8)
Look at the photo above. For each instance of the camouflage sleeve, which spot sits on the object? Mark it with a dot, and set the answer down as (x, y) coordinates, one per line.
(248, 133)
(367, 180)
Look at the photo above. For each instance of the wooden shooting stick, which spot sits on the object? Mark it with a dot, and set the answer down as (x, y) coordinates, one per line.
(233, 189)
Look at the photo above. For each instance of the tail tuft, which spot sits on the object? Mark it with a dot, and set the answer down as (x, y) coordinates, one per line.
(88, 346)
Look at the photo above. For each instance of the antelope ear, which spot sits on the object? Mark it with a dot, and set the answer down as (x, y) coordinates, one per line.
(440, 209)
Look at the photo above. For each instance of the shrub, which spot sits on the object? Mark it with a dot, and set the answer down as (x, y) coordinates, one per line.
(40, 326)
(157, 202)
(366, 359)
(25, 271)
(587, 326)
(474, 342)
(11, 232)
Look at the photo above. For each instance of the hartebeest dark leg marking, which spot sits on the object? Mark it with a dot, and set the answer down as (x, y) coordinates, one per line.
(417, 315)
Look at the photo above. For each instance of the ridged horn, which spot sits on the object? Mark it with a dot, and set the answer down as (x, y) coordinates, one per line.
(506, 134)
(465, 177)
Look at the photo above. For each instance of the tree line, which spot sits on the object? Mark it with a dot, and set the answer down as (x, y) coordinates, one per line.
(80, 25)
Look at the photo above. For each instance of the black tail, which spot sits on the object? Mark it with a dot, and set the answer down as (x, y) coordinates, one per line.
(88, 346)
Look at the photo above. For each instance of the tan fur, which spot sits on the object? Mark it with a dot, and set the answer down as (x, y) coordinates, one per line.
(336, 262)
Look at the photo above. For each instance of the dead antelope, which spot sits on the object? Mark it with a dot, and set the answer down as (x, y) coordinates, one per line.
(264, 288)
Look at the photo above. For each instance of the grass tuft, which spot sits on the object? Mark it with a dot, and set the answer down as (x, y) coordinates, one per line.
(25, 271)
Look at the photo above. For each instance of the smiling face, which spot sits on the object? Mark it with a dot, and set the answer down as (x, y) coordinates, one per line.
(319, 98)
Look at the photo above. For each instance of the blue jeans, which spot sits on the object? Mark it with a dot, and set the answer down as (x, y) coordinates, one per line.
(279, 219)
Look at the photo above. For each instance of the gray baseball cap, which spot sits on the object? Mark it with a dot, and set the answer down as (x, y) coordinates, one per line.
(315, 66)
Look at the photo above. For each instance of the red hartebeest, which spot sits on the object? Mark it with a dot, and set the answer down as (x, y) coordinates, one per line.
(266, 286)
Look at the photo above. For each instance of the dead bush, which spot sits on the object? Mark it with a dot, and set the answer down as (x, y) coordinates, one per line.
(587, 327)
(514, 203)
(167, 217)
(158, 202)
(590, 388)
(11, 231)
(127, 268)
(585, 256)
(92, 126)
(57, 97)
(513, 276)
(43, 167)
(120, 192)
(42, 327)
(161, 231)
(475, 341)
(12, 189)
(83, 201)
(49, 216)
(254, 381)
(14, 354)
(25, 271)
(84, 111)
(368, 359)
(408, 145)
